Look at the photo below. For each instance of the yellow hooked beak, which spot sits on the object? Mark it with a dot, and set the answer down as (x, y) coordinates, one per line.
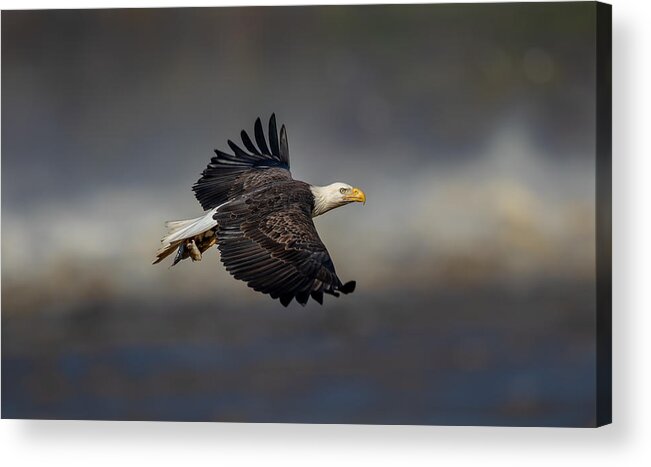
(356, 195)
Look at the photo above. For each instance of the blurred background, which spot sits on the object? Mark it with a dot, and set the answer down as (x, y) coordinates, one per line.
(471, 128)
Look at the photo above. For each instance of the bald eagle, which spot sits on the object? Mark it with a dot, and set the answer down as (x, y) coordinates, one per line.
(260, 218)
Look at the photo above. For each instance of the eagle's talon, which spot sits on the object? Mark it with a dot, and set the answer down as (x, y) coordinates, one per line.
(195, 254)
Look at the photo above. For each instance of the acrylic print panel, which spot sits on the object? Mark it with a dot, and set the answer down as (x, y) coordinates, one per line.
(477, 135)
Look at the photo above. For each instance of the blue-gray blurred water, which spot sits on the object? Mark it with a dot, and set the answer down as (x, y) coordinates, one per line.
(432, 360)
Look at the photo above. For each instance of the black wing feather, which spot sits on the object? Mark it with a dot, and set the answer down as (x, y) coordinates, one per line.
(230, 175)
(240, 154)
(273, 137)
(259, 137)
(249, 144)
(284, 146)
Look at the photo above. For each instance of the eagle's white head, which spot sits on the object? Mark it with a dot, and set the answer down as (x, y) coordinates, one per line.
(334, 195)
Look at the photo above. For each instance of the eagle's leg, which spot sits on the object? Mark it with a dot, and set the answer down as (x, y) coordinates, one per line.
(194, 247)
(193, 250)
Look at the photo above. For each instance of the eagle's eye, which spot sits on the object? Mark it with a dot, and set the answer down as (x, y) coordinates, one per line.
(343, 190)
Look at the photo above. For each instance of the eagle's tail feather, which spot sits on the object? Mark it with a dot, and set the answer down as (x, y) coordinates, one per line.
(175, 226)
(190, 237)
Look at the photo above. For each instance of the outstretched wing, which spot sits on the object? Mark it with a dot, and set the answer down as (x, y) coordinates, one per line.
(267, 239)
(229, 175)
